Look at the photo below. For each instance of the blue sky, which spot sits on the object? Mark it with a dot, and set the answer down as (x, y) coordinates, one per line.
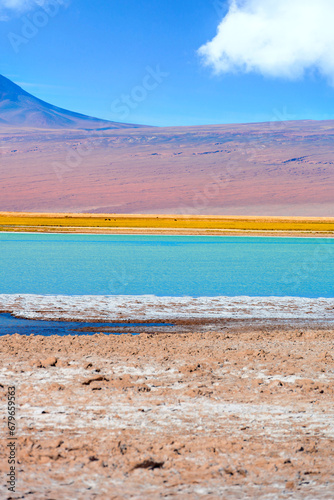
(88, 56)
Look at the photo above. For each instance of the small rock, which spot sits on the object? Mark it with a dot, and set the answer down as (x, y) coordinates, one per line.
(61, 363)
(148, 464)
(229, 471)
(52, 361)
(242, 472)
(144, 388)
(55, 443)
(36, 363)
(97, 378)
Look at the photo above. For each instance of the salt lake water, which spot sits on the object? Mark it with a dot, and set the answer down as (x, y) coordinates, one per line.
(196, 266)
(10, 325)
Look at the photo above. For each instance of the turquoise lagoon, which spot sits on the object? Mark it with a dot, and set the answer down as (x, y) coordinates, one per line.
(196, 266)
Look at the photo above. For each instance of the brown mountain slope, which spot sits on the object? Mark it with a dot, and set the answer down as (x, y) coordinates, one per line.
(256, 169)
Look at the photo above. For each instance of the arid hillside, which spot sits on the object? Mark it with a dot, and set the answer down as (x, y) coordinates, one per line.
(256, 169)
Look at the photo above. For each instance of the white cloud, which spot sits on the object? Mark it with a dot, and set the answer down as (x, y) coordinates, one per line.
(14, 8)
(277, 38)
(20, 5)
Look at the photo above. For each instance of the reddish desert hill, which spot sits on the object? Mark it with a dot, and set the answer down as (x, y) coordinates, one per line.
(19, 108)
(256, 169)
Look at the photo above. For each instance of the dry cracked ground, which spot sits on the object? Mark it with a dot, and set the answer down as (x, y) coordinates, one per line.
(219, 415)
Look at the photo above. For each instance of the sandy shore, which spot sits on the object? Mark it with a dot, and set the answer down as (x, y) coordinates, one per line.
(239, 412)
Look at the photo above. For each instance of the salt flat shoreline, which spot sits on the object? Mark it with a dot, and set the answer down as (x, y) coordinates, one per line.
(237, 412)
(144, 308)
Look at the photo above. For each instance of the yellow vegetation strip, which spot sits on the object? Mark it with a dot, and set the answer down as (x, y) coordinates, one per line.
(74, 222)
